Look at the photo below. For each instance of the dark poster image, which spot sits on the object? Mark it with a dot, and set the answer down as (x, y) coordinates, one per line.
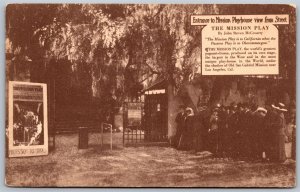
(28, 124)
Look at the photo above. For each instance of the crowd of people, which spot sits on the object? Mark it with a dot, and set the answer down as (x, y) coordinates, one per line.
(240, 131)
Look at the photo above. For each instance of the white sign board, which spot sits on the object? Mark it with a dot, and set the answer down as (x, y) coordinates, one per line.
(240, 44)
(28, 122)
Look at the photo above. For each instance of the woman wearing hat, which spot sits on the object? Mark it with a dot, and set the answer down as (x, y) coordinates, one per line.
(260, 136)
(187, 136)
(213, 132)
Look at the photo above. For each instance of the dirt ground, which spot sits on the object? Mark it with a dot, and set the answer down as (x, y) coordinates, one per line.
(150, 166)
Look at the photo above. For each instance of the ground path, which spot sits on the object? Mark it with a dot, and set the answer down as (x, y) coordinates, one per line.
(150, 166)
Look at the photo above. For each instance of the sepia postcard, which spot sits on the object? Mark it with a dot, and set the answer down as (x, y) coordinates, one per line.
(150, 95)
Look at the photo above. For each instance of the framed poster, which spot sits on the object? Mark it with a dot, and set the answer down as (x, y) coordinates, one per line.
(28, 123)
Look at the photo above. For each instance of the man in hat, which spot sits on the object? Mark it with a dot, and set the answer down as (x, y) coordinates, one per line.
(276, 124)
(280, 133)
(180, 118)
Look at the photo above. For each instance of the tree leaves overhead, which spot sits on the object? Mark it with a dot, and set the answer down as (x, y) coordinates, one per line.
(122, 44)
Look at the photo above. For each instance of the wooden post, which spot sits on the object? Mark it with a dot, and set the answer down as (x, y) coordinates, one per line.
(54, 116)
(101, 135)
(111, 132)
(24, 136)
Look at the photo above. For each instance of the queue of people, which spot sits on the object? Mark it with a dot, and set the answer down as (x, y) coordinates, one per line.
(239, 131)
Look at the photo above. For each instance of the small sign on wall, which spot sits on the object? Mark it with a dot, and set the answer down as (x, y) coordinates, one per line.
(134, 114)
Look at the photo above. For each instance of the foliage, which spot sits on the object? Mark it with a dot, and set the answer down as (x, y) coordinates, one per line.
(123, 46)
(105, 38)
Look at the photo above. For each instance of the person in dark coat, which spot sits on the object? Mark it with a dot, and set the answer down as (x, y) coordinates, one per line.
(226, 132)
(205, 118)
(268, 134)
(180, 118)
(291, 129)
(198, 132)
(258, 133)
(232, 129)
(280, 134)
(293, 122)
(186, 141)
(247, 131)
(276, 124)
(239, 135)
(223, 131)
(252, 133)
(213, 132)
